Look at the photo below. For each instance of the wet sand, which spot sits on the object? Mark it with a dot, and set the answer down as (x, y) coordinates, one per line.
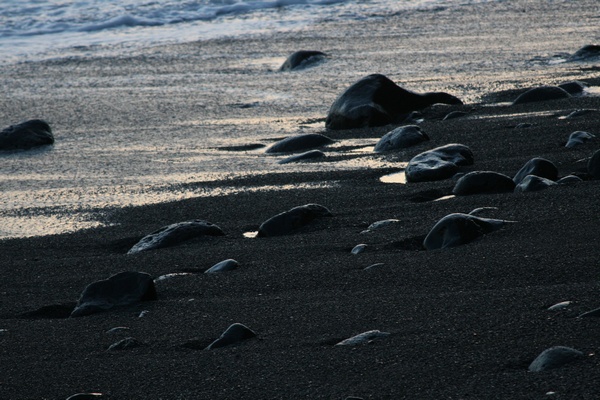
(464, 322)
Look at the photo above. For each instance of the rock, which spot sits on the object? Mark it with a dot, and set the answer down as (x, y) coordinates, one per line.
(578, 137)
(232, 335)
(591, 314)
(373, 266)
(539, 167)
(376, 101)
(117, 329)
(363, 338)
(483, 182)
(288, 221)
(554, 357)
(28, 134)
(574, 88)
(455, 114)
(174, 234)
(439, 163)
(586, 52)
(560, 306)
(381, 224)
(401, 138)
(569, 180)
(359, 248)
(53, 311)
(533, 183)
(594, 165)
(86, 396)
(309, 155)
(578, 113)
(300, 143)
(122, 289)
(223, 266)
(458, 229)
(126, 344)
(542, 93)
(302, 59)
(523, 125)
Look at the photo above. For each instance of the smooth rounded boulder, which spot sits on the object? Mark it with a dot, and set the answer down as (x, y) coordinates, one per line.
(289, 221)
(302, 59)
(458, 229)
(593, 165)
(477, 182)
(533, 183)
(401, 138)
(542, 93)
(223, 266)
(28, 134)
(577, 138)
(539, 167)
(554, 357)
(439, 163)
(376, 101)
(175, 234)
(122, 289)
(236, 333)
(300, 143)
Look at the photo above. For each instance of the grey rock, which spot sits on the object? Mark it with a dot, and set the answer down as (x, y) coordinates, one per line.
(289, 221)
(554, 357)
(533, 183)
(223, 266)
(458, 229)
(117, 329)
(384, 223)
(234, 334)
(483, 182)
(539, 167)
(86, 396)
(578, 113)
(309, 155)
(439, 163)
(560, 306)
(542, 93)
(359, 248)
(25, 135)
(373, 266)
(578, 137)
(364, 338)
(376, 101)
(175, 234)
(126, 344)
(302, 59)
(300, 143)
(594, 165)
(121, 289)
(569, 180)
(401, 138)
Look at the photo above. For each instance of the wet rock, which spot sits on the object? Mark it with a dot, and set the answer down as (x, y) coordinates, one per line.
(359, 248)
(439, 163)
(458, 229)
(539, 167)
(364, 338)
(223, 266)
(533, 183)
(288, 221)
(542, 93)
(309, 155)
(569, 180)
(401, 138)
(578, 137)
(586, 52)
(126, 344)
(554, 357)
(28, 134)
(297, 143)
(122, 289)
(234, 334)
(594, 165)
(483, 182)
(376, 101)
(302, 59)
(175, 234)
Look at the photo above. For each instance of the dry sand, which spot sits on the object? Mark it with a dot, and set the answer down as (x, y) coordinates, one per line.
(465, 322)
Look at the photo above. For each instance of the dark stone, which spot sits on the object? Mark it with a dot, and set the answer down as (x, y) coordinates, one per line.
(542, 93)
(288, 221)
(223, 266)
(364, 338)
(122, 289)
(458, 229)
(309, 155)
(569, 180)
(28, 134)
(126, 344)
(376, 101)
(53, 311)
(439, 163)
(539, 167)
(174, 234)
(578, 137)
(554, 357)
(574, 88)
(300, 143)
(400, 138)
(587, 51)
(533, 183)
(234, 334)
(579, 113)
(302, 59)
(594, 165)
(483, 182)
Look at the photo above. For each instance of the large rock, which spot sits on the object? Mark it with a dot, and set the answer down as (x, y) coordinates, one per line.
(122, 289)
(299, 143)
(28, 134)
(594, 165)
(174, 234)
(483, 182)
(554, 357)
(302, 59)
(539, 167)
(533, 183)
(400, 138)
(288, 221)
(376, 101)
(458, 229)
(439, 163)
(542, 93)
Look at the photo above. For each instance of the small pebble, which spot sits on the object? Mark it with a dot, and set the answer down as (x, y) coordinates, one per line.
(560, 306)
(373, 266)
(359, 248)
(143, 313)
(362, 338)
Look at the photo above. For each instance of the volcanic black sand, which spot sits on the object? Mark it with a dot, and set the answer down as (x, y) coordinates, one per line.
(465, 322)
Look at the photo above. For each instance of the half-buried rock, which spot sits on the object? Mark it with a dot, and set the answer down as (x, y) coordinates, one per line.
(483, 182)
(400, 138)
(376, 101)
(533, 183)
(28, 134)
(554, 357)
(578, 137)
(439, 163)
(458, 229)
(297, 143)
(122, 289)
(174, 234)
(539, 167)
(309, 155)
(289, 221)
(542, 93)
(236, 333)
(223, 266)
(594, 165)
(303, 59)
(364, 338)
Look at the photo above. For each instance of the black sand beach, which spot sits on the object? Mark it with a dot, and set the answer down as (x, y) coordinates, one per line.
(465, 322)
